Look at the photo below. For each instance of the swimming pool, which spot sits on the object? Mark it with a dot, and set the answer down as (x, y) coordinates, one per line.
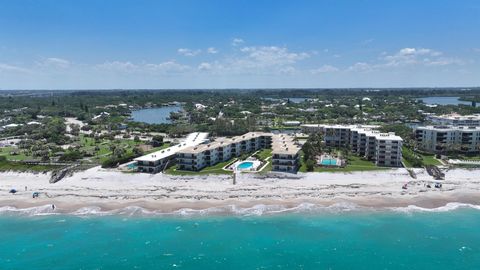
(132, 166)
(245, 165)
(329, 162)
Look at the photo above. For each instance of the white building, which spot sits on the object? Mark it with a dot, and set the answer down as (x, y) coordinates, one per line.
(284, 151)
(156, 161)
(366, 141)
(448, 138)
(455, 119)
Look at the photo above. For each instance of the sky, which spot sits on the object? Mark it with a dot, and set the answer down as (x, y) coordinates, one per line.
(138, 44)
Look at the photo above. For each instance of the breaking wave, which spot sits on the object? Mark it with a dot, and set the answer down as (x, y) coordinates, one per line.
(446, 208)
(256, 210)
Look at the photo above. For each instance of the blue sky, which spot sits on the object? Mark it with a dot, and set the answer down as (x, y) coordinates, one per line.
(50, 44)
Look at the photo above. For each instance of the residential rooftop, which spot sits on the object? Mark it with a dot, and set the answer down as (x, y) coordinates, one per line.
(191, 140)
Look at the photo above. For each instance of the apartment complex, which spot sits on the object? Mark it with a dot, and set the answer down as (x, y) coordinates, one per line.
(448, 138)
(366, 141)
(157, 161)
(455, 120)
(284, 151)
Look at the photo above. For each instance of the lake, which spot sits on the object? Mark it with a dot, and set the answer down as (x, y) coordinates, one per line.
(444, 101)
(158, 115)
(292, 99)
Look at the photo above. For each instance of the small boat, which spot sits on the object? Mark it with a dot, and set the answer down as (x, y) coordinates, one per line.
(438, 185)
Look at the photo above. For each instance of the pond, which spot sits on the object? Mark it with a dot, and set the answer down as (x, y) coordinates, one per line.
(155, 115)
(291, 99)
(297, 100)
(444, 101)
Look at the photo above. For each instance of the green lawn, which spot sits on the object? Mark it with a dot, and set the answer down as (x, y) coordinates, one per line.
(354, 164)
(19, 166)
(165, 145)
(215, 169)
(430, 160)
(267, 168)
(427, 159)
(264, 154)
(6, 151)
(103, 153)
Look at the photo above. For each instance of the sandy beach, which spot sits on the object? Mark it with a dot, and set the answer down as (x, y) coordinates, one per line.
(109, 189)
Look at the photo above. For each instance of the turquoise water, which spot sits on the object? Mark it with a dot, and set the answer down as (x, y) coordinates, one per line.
(245, 165)
(132, 166)
(329, 161)
(352, 240)
(155, 115)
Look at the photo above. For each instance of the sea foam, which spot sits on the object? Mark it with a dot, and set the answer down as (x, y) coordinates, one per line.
(256, 210)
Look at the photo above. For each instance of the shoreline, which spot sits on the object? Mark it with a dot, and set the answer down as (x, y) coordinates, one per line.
(103, 190)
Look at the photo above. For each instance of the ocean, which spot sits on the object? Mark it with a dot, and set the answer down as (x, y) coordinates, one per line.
(301, 238)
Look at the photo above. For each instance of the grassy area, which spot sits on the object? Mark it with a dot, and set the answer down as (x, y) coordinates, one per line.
(22, 167)
(7, 152)
(354, 164)
(426, 159)
(430, 160)
(215, 169)
(267, 168)
(103, 152)
(165, 145)
(264, 154)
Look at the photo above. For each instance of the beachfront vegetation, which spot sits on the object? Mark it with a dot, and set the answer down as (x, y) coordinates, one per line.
(215, 169)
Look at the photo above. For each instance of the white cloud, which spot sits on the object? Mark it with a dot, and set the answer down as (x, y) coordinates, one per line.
(272, 55)
(129, 67)
(360, 67)
(167, 67)
(205, 66)
(212, 50)
(54, 62)
(413, 56)
(10, 68)
(324, 69)
(117, 66)
(188, 52)
(407, 57)
(237, 41)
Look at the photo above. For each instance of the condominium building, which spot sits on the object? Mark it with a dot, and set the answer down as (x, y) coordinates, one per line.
(284, 151)
(155, 162)
(366, 141)
(448, 138)
(455, 120)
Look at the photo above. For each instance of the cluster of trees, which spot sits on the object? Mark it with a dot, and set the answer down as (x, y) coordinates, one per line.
(120, 155)
(311, 149)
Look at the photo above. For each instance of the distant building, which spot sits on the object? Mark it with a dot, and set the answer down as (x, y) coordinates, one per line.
(292, 123)
(200, 107)
(100, 116)
(455, 119)
(366, 141)
(448, 138)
